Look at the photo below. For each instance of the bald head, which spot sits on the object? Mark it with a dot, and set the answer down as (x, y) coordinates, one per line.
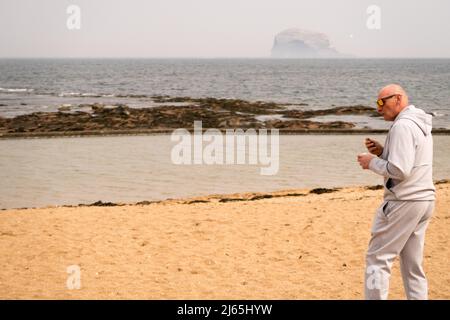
(394, 89)
(396, 100)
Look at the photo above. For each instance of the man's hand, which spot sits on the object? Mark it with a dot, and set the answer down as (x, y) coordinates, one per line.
(364, 160)
(374, 147)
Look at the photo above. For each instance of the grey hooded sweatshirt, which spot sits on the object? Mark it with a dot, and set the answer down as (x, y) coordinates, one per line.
(407, 158)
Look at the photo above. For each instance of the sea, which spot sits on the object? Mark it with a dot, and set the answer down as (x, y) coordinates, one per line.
(38, 172)
(30, 85)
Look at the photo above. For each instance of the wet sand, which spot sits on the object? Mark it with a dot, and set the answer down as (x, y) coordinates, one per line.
(290, 244)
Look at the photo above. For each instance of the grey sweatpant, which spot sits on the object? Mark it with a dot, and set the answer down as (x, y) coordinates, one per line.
(398, 229)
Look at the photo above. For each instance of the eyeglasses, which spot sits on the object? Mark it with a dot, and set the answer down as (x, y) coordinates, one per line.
(382, 101)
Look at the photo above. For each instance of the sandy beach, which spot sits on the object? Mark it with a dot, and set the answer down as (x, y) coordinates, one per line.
(293, 244)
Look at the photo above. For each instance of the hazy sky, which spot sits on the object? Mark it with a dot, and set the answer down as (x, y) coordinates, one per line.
(219, 28)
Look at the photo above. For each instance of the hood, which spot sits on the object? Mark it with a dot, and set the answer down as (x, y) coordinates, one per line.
(418, 116)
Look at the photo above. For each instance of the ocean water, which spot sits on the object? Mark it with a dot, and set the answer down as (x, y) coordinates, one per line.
(29, 85)
(71, 170)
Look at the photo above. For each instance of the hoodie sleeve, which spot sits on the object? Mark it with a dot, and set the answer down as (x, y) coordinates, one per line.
(400, 160)
(386, 169)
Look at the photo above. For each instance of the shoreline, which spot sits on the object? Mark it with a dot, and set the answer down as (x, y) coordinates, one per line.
(293, 246)
(150, 132)
(221, 198)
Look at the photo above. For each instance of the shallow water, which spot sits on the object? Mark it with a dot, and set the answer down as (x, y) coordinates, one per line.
(29, 85)
(73, 170)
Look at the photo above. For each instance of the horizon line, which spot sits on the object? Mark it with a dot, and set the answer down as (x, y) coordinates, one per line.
(222, 57)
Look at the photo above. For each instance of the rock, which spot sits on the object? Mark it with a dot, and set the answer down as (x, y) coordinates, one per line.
(102, 204)
(306, 124)
(215, 113)
(97, 107)
(299, 43)
(323, 190)
(65, 107)
(146, 203)
(344, 110)
(376, 187)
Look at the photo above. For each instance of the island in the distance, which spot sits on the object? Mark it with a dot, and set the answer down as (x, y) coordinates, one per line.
(300, 43)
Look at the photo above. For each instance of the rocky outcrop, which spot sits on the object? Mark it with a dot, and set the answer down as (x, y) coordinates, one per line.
(298, 43)
(214, 113)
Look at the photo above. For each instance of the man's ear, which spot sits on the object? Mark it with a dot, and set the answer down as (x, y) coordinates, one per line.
(399, 100)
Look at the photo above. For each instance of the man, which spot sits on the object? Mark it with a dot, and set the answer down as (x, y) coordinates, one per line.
(400, 222)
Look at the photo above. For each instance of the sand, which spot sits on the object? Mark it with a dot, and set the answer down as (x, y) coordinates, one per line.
(293, 245)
